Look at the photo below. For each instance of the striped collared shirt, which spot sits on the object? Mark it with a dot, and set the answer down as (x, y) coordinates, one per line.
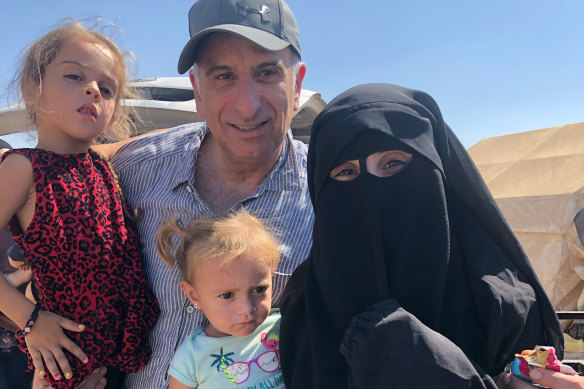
(157, 173)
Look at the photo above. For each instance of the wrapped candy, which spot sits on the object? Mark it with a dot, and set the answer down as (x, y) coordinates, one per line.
(541, 356)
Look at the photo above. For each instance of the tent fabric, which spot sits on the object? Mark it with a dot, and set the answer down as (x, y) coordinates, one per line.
(537, 179)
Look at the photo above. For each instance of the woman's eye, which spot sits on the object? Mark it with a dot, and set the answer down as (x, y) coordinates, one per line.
(391, 168)
(72, 77)
(226, 296)
(346, 172)
(394, 163)
(387, 163)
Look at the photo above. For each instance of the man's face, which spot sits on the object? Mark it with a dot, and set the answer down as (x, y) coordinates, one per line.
(247, 96)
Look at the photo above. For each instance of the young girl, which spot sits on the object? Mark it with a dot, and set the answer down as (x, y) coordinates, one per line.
(66, 214)
(227, 264)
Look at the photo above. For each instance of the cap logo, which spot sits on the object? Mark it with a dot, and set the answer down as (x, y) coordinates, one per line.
(243, 9)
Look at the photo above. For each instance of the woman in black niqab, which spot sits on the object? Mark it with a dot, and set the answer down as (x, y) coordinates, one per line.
(414, 279)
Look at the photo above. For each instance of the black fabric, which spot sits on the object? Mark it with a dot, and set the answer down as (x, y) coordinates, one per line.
(430, 238)
(435, 357)
(114, 378)
(15, 254)
(4, 144)
(13, 363)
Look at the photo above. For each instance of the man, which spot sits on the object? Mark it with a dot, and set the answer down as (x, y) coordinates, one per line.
(247, 78)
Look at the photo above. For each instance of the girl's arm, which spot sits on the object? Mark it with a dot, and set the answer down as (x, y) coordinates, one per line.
(176, 384)
(46, 338)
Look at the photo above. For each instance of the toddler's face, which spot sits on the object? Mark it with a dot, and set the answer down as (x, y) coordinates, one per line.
(236, 298)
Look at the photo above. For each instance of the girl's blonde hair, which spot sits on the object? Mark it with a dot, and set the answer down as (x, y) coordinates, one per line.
(41, 53)
(225, 238)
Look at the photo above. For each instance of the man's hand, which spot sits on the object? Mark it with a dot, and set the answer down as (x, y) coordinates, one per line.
(96, 379)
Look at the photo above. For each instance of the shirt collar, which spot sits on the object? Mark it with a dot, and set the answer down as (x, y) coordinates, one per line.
(285, 175)
(185, 172)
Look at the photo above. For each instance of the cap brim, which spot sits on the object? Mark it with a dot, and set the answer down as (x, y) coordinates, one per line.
(260, 37)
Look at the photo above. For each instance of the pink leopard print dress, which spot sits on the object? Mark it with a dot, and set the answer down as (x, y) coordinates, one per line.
(86, 262)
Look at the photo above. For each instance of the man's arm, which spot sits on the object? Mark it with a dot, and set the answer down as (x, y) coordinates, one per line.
(108, 150)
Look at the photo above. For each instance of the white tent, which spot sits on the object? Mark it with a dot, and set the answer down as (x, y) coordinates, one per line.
(537, 179)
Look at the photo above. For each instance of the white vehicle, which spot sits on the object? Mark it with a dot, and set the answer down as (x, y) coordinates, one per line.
(168, 102)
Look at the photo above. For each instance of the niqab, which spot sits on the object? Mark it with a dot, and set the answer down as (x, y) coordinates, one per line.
(430, 239)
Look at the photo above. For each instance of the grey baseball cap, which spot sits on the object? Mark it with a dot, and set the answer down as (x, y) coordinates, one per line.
(267, 23)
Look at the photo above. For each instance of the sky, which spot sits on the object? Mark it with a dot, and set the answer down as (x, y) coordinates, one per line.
(495, 67)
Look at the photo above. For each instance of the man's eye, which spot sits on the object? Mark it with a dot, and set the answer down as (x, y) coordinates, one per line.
(224, 76)
(226, 296)
(260, 289)
(72, 77)
(268, 73)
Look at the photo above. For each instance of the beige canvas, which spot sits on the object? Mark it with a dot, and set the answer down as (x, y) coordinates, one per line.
(537, 178)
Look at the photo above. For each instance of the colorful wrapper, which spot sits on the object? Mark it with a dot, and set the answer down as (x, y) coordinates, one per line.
(542, 357)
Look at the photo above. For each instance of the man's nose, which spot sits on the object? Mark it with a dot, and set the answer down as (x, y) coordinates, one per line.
(248, 98)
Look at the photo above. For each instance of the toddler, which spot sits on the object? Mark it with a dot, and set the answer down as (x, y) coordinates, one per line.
(227, 263)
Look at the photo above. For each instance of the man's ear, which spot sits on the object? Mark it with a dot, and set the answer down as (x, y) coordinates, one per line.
(197, 92)
(298, 85)
(190, 292)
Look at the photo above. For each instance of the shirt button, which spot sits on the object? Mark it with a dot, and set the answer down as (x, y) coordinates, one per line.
(190, 309)
(189, 189)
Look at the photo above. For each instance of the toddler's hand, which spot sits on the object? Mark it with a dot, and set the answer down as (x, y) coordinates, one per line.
(46, 340)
